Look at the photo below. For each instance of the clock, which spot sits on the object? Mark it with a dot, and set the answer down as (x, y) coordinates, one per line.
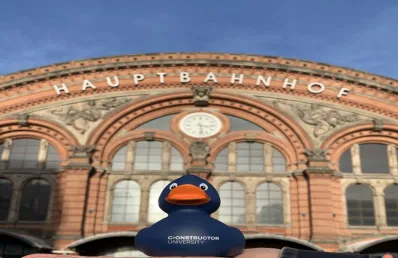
(200, 125)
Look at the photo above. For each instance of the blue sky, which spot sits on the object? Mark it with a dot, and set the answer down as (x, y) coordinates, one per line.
(360, 34)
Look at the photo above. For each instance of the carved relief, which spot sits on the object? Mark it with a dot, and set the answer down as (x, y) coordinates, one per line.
(201, 95)
(322, 119)
(80, 116)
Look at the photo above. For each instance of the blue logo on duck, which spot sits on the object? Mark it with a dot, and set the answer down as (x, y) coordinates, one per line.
(189, 230)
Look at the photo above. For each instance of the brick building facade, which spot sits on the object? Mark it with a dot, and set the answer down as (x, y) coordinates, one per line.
(303, 154)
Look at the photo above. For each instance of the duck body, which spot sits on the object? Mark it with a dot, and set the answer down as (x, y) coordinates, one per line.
(189, 230)
(190, 233)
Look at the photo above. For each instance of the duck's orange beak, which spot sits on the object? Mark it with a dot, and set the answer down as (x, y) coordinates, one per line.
(187, 195)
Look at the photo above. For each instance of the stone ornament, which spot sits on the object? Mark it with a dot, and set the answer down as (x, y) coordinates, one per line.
(79, 116)
(83, 151)
(316, 154)
(23, 119)
(199, 151)
(201, 95)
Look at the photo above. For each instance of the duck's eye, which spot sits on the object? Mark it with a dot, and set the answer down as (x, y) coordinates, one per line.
(203, 186)
(172, 186)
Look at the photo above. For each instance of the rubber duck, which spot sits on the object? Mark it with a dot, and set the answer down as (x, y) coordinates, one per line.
(189, 230)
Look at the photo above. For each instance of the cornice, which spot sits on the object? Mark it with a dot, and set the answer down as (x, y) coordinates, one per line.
(198, 59)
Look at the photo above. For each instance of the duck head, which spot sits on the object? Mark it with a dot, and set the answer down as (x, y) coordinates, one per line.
(189, 192)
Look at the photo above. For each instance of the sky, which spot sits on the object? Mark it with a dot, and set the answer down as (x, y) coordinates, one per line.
(359, 34)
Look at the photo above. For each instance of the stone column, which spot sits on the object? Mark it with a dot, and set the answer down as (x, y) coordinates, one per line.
(392, 158)
(42, 156)
(356, 160)
(16, 197)
(5, 156)
(250, 213)
(380, 209)
(267, 158)
(144, 204)
(232, 157)
(130, 156)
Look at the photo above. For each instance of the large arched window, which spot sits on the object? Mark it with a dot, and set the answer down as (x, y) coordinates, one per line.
(126, 202)
(239, 124)
(360, 206)
(269, 204)
(148, 156)
(373, 158)
(5, 198)
(232, 208)
(35, 200)
(391, 202)
(250, 157)
(154, 212)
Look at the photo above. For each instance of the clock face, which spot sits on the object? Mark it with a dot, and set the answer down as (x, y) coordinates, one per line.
(200, 125)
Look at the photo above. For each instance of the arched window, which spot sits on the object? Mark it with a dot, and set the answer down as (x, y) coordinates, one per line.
(35, 200)
(24, 153)
(269, 204)
(374, 158)
(119, 160)
(232, 208)
(345, 162)
(126, 202)
(5, 198)
(360, 205)
(154, 212)
(391, 202)
(148, 155)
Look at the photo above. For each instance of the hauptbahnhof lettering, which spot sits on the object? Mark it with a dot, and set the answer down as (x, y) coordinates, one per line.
(185, 77)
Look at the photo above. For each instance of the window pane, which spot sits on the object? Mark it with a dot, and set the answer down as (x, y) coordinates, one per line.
(239, 124)
(177, 162)
(5, 197)
(126, 202)
(160, 123)
(345, 162)
(119, 160)
(24, 153)
(391, 202)
(1, 149)
(232, 208)
(148, 156)
(52, 161)
(374, 158)
(269, 204)
(154, 212)
(278, 161)
(221, 163)
(360, 205)
(35, 200)
(250, 157)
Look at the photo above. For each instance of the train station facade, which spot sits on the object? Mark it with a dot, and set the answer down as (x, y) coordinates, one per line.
(303, 154)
